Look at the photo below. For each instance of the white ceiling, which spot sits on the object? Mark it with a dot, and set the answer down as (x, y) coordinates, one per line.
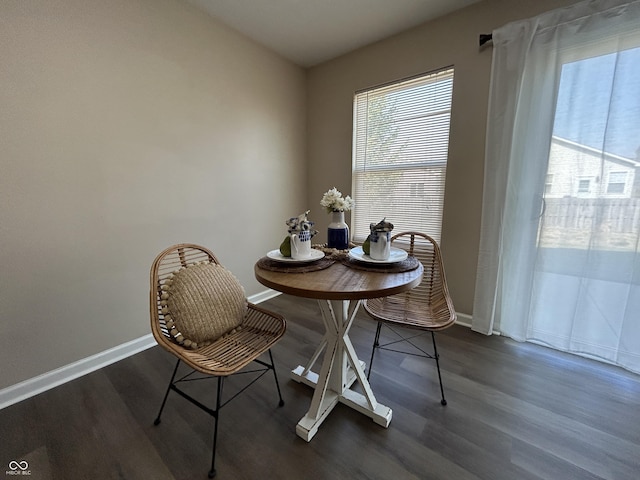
(309, 32)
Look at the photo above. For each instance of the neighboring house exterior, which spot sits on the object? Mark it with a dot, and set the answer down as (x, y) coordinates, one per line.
(591, 199)
(578, 171)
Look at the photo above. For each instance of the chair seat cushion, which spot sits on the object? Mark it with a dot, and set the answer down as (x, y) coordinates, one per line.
(202, 302)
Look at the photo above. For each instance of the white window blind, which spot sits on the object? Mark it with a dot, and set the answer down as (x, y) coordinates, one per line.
(400, 148)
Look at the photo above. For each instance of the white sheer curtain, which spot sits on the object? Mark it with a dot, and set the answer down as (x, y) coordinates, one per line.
(528, 287)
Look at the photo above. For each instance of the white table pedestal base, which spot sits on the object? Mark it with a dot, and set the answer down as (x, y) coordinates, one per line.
(340, 369)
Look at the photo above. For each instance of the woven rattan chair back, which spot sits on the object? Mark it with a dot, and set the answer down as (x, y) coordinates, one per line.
(427, 307)
(260, 328)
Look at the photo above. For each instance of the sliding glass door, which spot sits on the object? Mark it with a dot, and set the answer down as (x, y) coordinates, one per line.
(586, 284)
(559, 259)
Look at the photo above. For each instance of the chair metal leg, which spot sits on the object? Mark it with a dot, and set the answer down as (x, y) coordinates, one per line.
(212, 472)
(166, 395)
(216, 412)
(436, 356)
(376, 343)
(275, 375)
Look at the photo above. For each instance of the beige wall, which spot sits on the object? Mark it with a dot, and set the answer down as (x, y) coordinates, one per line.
(451, 40)
(127, 126)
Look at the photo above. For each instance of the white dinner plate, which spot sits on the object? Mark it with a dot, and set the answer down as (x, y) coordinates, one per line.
(276, 255)
(395, 255)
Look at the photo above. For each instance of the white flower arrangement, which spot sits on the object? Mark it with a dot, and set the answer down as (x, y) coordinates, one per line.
(333, 201)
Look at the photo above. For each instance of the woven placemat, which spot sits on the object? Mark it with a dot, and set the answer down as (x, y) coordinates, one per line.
(275, 266)
(406, 265)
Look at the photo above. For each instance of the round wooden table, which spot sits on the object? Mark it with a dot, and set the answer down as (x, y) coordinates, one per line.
(339, 290)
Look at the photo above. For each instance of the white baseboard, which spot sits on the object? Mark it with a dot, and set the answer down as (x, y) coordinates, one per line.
(263, 296)
(463, 319)
(33, 386)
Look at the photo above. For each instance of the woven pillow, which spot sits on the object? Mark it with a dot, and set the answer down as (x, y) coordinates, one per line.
(201, 303)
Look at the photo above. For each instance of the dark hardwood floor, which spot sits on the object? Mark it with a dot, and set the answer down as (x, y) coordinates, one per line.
(515, 411)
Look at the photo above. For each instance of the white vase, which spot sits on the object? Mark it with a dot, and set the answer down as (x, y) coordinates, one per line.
(338, 232)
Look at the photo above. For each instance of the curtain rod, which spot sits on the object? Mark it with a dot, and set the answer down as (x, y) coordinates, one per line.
(485, 37)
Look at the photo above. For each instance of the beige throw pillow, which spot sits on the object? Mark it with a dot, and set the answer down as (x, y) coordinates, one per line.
(201, 303)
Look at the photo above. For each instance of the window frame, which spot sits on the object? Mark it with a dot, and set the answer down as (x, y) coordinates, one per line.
(430, 161)
(622, 183)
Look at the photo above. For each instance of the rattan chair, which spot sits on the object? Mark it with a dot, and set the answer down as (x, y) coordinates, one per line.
(227, 355)
(426, 308)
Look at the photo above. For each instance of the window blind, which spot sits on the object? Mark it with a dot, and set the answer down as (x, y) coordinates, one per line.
(400, 148)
